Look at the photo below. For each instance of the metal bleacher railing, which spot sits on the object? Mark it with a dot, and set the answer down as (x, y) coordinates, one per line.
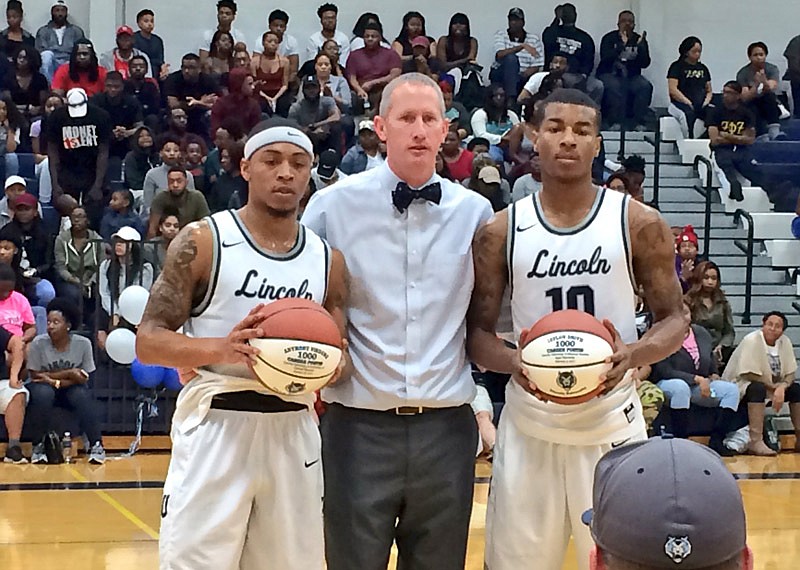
(656, 142)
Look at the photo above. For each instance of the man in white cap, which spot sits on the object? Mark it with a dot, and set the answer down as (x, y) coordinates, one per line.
(252, 498)
(56, 39)
(366, 154)
(78, 137)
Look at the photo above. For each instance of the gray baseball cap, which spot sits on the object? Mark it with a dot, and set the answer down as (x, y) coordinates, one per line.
(666, 503)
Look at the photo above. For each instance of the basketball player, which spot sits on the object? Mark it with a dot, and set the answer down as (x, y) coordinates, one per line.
(571, 245)
(244, 487)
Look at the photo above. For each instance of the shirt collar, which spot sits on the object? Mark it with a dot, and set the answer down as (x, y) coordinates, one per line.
(392, 179)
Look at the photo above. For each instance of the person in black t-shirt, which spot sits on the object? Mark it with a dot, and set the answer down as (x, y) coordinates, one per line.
(197, 90)
(125, 113)
(689, 88)
(78, 139)
(732, 129)
(145, 90)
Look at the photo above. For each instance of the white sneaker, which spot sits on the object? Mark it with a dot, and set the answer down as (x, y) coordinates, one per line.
(97, 455)
(38, 455)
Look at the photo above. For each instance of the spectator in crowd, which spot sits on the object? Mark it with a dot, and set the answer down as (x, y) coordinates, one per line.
(556, 69)
(272, 72)
(125, 114)
(56, 40)
(14, 37)
(478, 145)
(220, 57)
(335, 86)
(520, 142)
(442, 168)
(151, 44)
(494, 121)
(457, 158)
(732, 130)
(623, 55)
(119, 58)
(145, 90)
(60, 363)
(120, 213)
(142, 157)
(366, 154)
(287, 43)
(686, 245)
(78, 253)
(579, 47)
(633, 168)
(155, 181)
(178, 122)
(681, 491)
(331, 49)
(230, 130)
(230, 179)
(413, 27)
(455, 112)
(226, 14)
(327, 172)
(194, 89)
(764, 367)
(370, 69)
(518, 54)
(530, 182)
(27, 87)
(759, 80)
(328, 14)
(485, 179)
(155, 252)
(16, 315)
(710, 309)
(83, 70)
(318, 116)
(238, 102)
(423, 62)
(38, 141)
(690, 91)
(792, 55)
(13, 395)
(194, 152)
(78, 142)
(692, 371)
(12, 125)
(14, 186)
(458, 48)
(241, 56)
(191, 204)
(618, 182)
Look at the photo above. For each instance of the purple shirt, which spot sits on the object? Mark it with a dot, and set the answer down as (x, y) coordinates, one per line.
(365, 65)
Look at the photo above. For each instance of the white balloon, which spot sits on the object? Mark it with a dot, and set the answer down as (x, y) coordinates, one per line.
(121, 346)
(132, 302)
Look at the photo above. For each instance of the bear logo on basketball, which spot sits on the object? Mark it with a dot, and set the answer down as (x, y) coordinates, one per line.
(678, 548)
(567, 380)
(295, 388)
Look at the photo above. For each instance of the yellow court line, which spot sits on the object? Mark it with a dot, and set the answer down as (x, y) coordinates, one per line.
(116, 505)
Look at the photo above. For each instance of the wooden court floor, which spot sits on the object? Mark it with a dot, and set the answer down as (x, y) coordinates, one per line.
(85, 517)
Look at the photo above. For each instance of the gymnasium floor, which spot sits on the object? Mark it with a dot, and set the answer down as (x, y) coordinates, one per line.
(86, 517)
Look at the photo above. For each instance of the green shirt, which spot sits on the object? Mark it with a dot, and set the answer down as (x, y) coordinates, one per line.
(191, 205)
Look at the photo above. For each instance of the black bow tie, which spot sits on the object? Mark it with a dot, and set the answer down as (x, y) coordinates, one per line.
(403, 195)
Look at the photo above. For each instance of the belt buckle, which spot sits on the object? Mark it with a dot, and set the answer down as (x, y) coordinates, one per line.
(415, 410)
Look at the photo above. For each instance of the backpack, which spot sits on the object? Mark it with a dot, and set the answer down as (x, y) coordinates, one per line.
(53, 449)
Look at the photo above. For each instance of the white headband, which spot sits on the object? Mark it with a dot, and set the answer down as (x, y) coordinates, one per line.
(278, 135)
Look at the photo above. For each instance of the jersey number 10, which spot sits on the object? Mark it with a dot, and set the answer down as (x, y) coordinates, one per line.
(573, 294)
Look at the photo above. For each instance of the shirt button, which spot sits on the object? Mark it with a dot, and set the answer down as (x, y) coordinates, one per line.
(412, 285)
(413, 318)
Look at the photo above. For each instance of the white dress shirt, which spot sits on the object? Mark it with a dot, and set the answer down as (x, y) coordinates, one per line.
(317, 39)
(411, 279)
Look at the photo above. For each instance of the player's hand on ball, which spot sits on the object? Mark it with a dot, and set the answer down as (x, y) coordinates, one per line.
(236, 347)
(342, 364)
(621, 360)
(520, 374)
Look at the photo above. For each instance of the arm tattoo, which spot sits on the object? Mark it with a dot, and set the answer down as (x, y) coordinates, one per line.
(491, 273)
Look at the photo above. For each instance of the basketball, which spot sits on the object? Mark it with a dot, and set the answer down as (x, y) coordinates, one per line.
(564, 355)
(301, 347)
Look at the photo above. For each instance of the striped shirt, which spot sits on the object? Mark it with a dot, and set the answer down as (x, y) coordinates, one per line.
(526, 60)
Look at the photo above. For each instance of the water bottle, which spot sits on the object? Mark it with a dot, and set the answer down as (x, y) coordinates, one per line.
(66, 447)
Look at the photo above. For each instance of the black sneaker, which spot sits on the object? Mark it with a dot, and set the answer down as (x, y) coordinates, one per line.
(717, 445)
(14, 455)
(736, 191)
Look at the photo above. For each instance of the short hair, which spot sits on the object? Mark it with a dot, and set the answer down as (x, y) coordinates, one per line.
(735, 85)
(687, 44)
(127, 194)
(227, 4)
(191, 57)
(139, 57)
(180, 169)
(568, 97)
(776, 314)
(634, 163)
(327, 7)
(268, 33)
(475, 141)
(145, 12)
(66, 308)
(374, 26)
(415, 78)
(756, 45)
(615, 563)
(626, 12)
(167, 138)
(114, 76)
(278, 15)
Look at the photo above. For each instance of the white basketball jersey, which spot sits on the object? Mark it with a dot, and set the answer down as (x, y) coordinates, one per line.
(589, 268)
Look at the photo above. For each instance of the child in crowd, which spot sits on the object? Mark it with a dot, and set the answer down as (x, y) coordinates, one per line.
(150, 43)
(119, 214)
(686, 256)
(16, 315)
(195, 151)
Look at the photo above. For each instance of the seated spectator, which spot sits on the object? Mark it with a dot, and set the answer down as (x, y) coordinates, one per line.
(12, 125)
(764, 367)
(331, 49)
(155, 251)
(328, 15)
(692, 371)
(142, 157)
(272, 72)
(16, 316)
(759, 80)
(579, 47)
(442, 168)
(155, 181)
(27, 87)
(194, 89)
(478, 145)
(634, 167)
(125, 113)
(458, 47)
(78, 253)
(366, 153)
(623, 56)
(455, 112)
(230, 130)
(194, 152)
(370, 69)
(327, 172)
(144, 90)
(83, 70)
(178, 122)
(55, 40)
(226, 14)
(318, 116)
(220, 57)
(241, 56)
(14, 37)
(618, 182)
(457, 158)
(335, 86)
(357, 40)
(119, 214)
(422, 61)
(119, 58)
(494, 121)
(686, 245)
(690, 90)
(230, 179)
(536, 88)
(288, 46)
(792, 55)
(60, 363)
(150, 44)
(529, 183)
(238, 102)
(520, 143)
(485, 179)
(413, 27)
(13, 394)
(191, 204)
(710, 309)
(518, 54)
(14, 186)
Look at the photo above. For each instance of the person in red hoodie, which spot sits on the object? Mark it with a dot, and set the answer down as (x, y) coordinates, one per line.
(686, 247)
(239, 101)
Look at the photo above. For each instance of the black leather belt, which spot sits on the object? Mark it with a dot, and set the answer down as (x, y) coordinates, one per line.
(251, 401)
(413, 410)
